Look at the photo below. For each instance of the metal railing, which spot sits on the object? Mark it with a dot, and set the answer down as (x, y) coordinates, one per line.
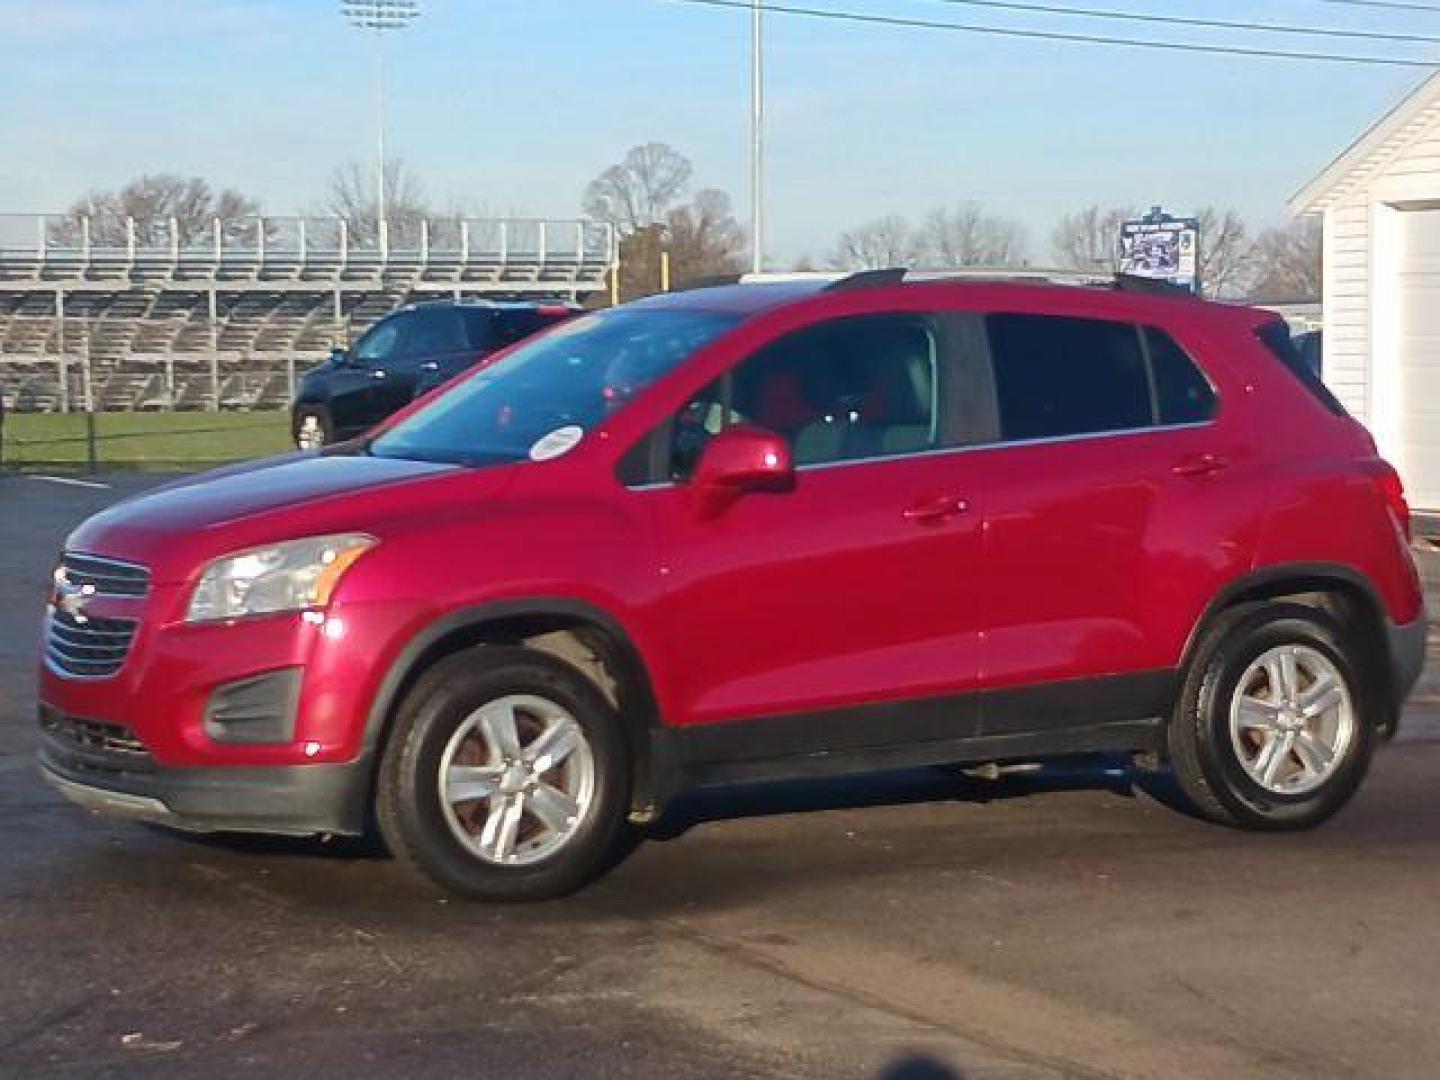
(60, 247)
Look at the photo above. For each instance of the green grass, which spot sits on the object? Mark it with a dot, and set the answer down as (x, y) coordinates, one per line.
(157, 441)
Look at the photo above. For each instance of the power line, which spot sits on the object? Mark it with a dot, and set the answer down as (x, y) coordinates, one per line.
(1391, 5)
(1056, 35)
(1206, 24)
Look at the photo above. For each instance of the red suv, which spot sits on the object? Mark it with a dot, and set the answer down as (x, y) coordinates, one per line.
(757, 531)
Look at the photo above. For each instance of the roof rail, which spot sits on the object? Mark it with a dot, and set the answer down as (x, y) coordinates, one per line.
(1134, 283)
(869, 279)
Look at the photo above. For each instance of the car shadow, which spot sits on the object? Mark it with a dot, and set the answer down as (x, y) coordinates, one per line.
(1090, 772)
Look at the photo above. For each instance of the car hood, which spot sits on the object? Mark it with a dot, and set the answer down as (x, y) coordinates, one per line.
(173, 528)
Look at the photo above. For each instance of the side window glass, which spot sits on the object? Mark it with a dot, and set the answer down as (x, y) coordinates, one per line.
(1059, 376)
(479, 327)
(512, 326)
(381, 342)
(1182, 394)
(435, 333)
(856, 388)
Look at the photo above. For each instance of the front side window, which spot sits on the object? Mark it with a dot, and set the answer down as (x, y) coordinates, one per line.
(855, 388)
(572, 379)
(382, 342)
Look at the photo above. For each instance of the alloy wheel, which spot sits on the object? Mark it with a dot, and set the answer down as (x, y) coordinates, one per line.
(1292, 719)
(517, 780)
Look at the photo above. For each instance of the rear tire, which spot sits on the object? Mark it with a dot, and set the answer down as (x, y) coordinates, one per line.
(526, 808)
(1276, 724)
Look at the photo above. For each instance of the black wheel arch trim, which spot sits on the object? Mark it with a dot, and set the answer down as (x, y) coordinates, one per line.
(1312, 577)
(641, 717)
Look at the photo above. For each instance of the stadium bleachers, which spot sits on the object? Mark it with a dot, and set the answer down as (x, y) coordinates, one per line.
(133, 327)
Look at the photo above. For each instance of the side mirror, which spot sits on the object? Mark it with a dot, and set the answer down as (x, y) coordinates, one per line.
(740, 459)
(339, 356)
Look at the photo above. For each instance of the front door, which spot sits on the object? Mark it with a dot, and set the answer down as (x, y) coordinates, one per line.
(846, 605)
(354, 387)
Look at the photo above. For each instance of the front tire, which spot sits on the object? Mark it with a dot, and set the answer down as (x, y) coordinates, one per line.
(1276, 725)
(312, 429)
(505, 778)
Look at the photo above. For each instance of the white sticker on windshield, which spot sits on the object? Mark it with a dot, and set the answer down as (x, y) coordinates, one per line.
(559, 442)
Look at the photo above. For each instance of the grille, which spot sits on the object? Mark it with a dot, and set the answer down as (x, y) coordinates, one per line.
(105, 576)
(88, 649)
(92, 734)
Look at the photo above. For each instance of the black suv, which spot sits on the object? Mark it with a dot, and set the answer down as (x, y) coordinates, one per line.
(404, 355)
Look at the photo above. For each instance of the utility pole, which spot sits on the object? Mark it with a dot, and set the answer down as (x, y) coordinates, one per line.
(757, 134)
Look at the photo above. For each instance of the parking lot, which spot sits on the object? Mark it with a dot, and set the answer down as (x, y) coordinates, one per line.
(915, 924)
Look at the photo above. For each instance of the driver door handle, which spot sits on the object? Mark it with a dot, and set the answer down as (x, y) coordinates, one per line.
(377, 373)
(934, 511)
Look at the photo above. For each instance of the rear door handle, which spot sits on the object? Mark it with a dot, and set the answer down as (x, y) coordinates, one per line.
(1200, 465)
(934, 511)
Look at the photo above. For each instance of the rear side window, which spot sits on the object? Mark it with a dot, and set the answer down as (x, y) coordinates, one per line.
(1182, 393)
(1276, 338)
(1060, 376)
(513, 326)
(433, 332)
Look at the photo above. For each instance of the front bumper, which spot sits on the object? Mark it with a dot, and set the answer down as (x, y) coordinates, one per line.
(289, 800)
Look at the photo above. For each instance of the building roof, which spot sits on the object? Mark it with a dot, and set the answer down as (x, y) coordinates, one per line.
(1375, 149)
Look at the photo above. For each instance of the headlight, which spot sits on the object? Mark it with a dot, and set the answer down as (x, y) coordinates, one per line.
(297, 575)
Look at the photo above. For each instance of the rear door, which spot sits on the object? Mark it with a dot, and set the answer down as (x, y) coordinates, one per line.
(1119, 498)
(848, 604)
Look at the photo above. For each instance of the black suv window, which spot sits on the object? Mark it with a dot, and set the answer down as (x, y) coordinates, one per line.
(1057, 376)
(435, 332)
(382, 341)
(855, 388)
(511, 326)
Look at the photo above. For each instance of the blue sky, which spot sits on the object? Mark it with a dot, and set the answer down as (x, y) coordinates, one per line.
(512, 105)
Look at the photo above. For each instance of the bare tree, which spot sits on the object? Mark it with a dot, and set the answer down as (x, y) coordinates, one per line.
(968, 237)
(705, 239)
(152, 201)
(352, 196)
(1289, 261)
(1089, 239)
(877, 245)
(641, 189)
(1224, 251)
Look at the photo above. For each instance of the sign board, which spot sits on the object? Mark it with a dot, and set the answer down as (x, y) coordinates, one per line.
(1162, 247)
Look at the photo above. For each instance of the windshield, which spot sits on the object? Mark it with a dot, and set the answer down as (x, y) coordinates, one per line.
(543, 398)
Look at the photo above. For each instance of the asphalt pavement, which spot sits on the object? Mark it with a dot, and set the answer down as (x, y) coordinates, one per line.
(1062, 925)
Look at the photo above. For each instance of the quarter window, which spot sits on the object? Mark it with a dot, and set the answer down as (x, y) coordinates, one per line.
(1182, 395)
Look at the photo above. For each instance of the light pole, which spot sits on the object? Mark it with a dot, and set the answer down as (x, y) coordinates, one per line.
(757, 134)
(379, 16)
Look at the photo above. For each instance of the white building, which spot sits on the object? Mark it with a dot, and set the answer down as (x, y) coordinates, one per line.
(1381, 204)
